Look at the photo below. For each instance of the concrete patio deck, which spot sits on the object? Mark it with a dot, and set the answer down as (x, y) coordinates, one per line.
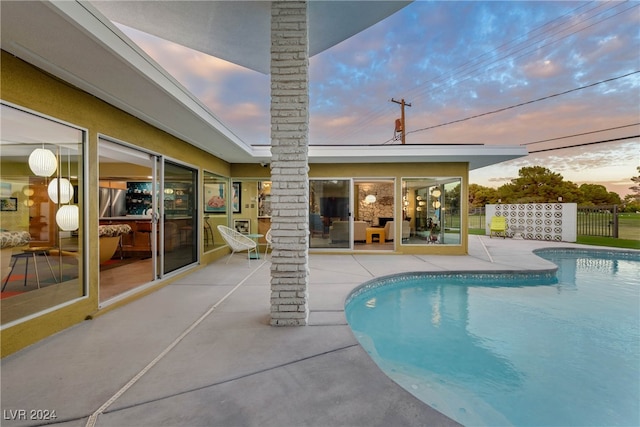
(200, 352)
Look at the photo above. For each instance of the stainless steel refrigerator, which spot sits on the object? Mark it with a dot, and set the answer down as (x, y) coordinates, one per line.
(112, 202)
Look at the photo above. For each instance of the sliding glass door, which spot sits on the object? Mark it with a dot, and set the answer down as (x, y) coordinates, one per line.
(148, 217)
(180, 216)
(330, 213)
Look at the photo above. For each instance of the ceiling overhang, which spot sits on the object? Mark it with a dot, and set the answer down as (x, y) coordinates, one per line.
(240, 31)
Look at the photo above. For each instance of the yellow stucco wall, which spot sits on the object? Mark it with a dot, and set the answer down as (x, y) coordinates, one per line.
(29, 87)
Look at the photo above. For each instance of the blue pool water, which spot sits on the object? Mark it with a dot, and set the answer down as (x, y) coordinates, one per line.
(547, 349)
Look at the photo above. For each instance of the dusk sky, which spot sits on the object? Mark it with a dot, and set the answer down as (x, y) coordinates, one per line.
(453, 60)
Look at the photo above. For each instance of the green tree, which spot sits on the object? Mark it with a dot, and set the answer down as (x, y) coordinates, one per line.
(480, 195)
(595, 194)
(632, 201)
(537, 184)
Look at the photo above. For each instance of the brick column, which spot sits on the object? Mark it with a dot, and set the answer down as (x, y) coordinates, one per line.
(289, 163)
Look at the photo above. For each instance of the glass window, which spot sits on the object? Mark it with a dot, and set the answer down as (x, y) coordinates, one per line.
(431, 210)
(41, 185)
(215, 203)
(329, 217)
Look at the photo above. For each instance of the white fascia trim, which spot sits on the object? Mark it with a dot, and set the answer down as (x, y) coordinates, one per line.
(406, 154)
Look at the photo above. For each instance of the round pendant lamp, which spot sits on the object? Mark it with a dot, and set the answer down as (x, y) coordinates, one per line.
(43, 162)
(67, 217)
(66, 190)
(370, 198)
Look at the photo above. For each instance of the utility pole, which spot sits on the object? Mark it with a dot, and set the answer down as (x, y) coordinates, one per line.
(402, 104)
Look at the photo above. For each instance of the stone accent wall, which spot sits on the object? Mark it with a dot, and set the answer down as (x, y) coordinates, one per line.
(289, 163)
(383, 206)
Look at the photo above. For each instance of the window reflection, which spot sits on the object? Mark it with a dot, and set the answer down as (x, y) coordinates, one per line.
(431, 207)
(215, 200)
(41, 186)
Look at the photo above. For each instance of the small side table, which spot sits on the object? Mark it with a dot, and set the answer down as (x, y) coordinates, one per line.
(255, 237)
(518, 229)
(27, 254)
(373, 230)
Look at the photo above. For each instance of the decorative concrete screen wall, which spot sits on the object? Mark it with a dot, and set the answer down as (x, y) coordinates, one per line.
(538, 221)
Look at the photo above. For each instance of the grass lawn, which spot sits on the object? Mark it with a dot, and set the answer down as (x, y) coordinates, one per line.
(609, 241)
(632, 230)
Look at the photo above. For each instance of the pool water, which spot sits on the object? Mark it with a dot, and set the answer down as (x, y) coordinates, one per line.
(546, 349)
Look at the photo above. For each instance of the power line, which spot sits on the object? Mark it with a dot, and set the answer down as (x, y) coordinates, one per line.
(468, 69)
(585, 144)
(580, 134)
(525, 103)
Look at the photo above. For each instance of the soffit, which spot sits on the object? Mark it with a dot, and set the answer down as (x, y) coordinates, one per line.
(240, 31)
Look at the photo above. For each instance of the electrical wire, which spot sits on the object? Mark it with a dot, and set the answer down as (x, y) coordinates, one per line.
(580, 134)
(526, 102)
(585, 144)
(532, 42)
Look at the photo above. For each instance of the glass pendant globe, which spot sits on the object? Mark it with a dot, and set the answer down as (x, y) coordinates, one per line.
(66, 190)
(67, 217)
(43, 162)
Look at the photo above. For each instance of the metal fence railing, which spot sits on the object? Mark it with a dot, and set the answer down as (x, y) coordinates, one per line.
(477, 218)
(598, 221)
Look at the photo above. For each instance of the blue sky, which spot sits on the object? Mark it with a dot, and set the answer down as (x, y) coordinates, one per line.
(453, 60)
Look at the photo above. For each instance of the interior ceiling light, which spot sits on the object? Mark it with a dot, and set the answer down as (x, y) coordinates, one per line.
(43, 162)
(436, 192)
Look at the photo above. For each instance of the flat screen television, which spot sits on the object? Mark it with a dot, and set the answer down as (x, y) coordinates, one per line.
(382, 221)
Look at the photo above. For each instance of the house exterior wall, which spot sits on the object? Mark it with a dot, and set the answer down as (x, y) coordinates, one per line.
(27, 86)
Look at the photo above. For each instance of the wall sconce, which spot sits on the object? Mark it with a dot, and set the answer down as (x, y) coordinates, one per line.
(422, 203)
(43, 162)
(370, 198)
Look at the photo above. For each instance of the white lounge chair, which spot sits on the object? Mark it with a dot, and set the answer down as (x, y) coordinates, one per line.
(238, 242)
(269, 240)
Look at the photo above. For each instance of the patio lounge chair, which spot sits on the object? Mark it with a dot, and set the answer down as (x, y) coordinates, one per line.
(238, 242)
(498, 225)
(269, 240)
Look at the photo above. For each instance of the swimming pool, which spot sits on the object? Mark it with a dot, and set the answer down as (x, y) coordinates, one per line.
(537, 349)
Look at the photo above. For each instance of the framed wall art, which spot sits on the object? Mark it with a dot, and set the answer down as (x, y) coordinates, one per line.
(9, 204)
(216, 200)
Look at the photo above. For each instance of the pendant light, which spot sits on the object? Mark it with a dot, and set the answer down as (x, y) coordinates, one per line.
(66, 190)
(43, 162)
(68, 216)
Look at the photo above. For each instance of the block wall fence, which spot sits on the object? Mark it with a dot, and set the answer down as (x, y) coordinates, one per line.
(538, 221)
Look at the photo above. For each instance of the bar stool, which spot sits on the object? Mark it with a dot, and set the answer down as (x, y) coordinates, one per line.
(29, 253)
(208, 232)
